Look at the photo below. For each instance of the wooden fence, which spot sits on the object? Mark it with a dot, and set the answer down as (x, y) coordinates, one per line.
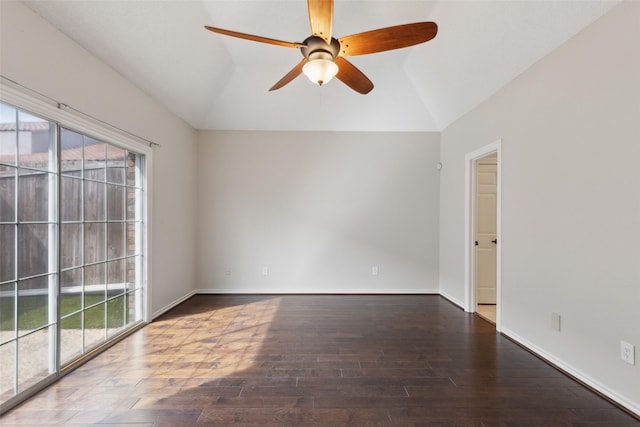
(98, 223)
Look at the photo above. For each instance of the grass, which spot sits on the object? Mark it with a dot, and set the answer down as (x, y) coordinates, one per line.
(33, 312)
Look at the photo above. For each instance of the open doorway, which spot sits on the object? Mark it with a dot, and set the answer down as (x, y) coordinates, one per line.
(486, 240)
(482, 261)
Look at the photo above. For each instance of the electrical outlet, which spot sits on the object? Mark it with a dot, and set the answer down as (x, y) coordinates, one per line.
(627, 352)
(227, 271)
(265, 271)
(555, 322)
(375, 270)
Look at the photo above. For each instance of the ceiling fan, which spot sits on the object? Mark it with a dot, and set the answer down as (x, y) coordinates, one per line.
(324, 55)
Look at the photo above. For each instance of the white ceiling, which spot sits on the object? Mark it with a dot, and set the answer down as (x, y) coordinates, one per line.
(218, 82)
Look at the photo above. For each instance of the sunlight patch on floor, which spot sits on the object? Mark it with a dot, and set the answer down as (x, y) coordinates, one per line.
(224, 342)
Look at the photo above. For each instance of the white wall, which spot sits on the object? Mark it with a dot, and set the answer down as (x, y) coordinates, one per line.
(319, 209)
(37, 55)
(571, 202)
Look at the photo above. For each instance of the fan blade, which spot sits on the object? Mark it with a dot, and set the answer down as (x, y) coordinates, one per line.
(387, 38)
(295, 72)
(321, 18)
(254, 38)
(352, 77)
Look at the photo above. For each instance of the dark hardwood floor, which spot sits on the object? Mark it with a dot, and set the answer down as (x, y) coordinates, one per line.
(317, 360)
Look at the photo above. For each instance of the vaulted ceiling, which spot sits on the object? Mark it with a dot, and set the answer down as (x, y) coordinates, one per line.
(218, 82)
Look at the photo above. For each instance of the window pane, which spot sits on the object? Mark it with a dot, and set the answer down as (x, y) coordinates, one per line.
(115, 240)
(7, 370)
(133, 313)
(7, 194)
(7, 252)
(70, 153)
(34, 188)
(116, 277)
(71, 291)
(115, 315)
(94, 326)
(35, 142)
(33, 304)
(133, 170)
(34, 357)
(115, 203)
(70, 338)
(7, 312)
(8, 136)
(132, 207)
(71, 245)
(132, 268)
(116, 164)
(94, 242)
(94, 159)
(94, 201)
(132, 229)
(33, 249)
(94, 284)
(71, 199)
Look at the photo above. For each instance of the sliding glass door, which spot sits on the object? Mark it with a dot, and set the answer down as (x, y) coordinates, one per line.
(71, 240)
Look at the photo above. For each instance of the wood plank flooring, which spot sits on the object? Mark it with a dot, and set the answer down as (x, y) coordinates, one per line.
(317, 360)
(487, 312)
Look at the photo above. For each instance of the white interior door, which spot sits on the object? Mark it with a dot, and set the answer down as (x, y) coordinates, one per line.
(486, 243)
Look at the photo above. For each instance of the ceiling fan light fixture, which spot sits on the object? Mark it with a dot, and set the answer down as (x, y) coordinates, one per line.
(320, 68)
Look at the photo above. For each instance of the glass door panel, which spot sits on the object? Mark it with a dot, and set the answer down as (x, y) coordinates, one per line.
(28, 251)
(71, 236)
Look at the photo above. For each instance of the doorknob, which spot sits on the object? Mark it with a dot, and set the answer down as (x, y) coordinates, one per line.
(495, 241)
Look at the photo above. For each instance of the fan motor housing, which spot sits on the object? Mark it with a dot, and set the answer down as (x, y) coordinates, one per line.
(317, 45)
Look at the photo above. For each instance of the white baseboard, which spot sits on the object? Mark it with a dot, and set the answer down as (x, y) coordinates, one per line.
(454, 300)
(586, 379)
(172, 304)
(316, 291)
